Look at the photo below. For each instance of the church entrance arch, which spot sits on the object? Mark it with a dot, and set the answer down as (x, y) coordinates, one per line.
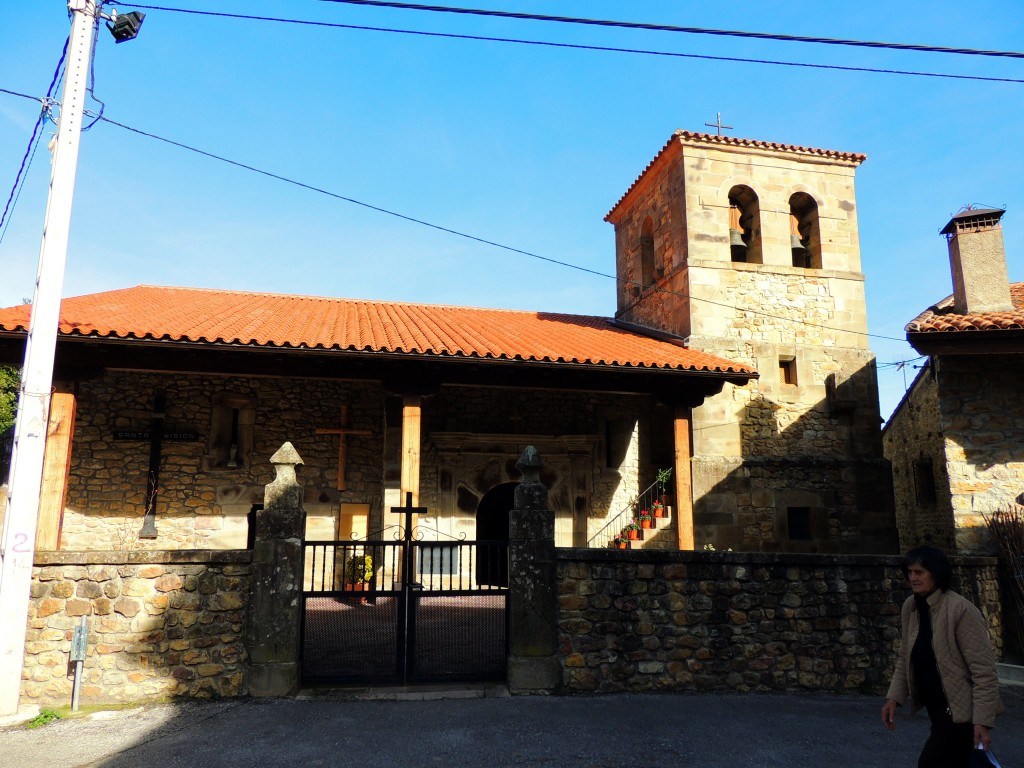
(492, 517)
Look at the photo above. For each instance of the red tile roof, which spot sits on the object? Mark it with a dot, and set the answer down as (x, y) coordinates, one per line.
(941, 318)
(691, 137)
(237, 318)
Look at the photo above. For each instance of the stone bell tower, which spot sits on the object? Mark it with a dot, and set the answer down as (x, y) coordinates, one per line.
(749, 250)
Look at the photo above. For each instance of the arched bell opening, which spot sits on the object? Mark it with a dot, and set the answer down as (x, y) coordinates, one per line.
(804, 231)
(744, 226)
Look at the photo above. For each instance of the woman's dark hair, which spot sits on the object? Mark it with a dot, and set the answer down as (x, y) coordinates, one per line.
(932, 560)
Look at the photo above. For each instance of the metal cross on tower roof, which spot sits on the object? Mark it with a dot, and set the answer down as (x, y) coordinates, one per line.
(718, 124)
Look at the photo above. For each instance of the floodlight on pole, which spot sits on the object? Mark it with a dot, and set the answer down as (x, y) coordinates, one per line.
(125, 26)
(17, 545)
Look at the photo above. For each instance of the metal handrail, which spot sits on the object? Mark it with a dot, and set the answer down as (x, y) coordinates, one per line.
(643, 500)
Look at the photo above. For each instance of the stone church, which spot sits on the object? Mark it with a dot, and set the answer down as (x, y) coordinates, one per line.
(737, 358)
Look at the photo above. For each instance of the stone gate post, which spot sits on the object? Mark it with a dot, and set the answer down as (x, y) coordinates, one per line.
(533, 609)
(273, 630)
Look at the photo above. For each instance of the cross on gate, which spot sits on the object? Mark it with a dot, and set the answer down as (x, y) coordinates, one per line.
(409, 511)
(718, 124)
(342, 432)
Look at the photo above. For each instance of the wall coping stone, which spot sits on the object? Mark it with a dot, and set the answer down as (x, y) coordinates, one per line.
(144, 557)
(575, 554)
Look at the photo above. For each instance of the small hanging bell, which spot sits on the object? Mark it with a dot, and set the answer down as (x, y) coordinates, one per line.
(801, 256)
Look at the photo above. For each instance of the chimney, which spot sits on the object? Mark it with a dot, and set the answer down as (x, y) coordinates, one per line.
(977, 261)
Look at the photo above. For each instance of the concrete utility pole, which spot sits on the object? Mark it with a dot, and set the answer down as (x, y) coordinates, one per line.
(19, 534)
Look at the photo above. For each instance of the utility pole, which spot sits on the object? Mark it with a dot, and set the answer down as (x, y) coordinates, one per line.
(19, 533)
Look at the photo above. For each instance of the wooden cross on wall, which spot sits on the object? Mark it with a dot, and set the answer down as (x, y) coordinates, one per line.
(342, 432)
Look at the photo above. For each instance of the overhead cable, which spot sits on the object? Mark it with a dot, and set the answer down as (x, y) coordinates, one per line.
(33, 143)
(686, 30)
(583, 47)
(475, 238)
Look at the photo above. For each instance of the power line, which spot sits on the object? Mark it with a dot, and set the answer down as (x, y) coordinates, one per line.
(583, 47)
(33, 144)
(900, 364)
(686, 30)
(467, 236)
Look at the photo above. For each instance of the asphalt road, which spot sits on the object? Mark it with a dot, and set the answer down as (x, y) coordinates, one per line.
(494, 731)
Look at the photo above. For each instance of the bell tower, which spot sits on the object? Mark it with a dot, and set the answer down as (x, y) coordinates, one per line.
(755, 257)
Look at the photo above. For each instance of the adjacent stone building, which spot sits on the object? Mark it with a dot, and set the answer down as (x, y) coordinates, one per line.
(956, 441)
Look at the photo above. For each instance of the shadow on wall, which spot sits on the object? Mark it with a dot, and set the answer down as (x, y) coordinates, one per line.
(811, 478)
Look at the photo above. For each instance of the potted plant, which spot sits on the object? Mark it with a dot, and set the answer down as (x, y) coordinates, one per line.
(663, 478)
(658, 509)
(620, 541)
(357, 572)
(646, 519)
(632, 530)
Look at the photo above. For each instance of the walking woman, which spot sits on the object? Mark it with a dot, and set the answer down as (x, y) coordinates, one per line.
(946, 664)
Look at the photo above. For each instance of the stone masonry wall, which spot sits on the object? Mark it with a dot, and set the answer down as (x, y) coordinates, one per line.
(161, 624)
(199, 506)
(913, 444)
(702, 621)
(471, 433)
(982, 414)
(206, 507)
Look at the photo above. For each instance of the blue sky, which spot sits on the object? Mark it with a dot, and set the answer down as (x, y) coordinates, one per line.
(527, 146)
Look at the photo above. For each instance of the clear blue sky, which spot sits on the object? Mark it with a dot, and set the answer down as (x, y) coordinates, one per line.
(524, 145)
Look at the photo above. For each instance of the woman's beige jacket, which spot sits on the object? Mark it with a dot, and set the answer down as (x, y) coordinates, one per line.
(963, 654)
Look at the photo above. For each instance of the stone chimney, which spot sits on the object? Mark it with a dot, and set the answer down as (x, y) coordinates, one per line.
(977, 261)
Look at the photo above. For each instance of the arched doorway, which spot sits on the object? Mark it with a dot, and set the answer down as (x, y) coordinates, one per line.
(492, 532)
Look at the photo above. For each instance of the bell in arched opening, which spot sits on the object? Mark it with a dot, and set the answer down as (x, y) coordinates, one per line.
(737, 236)
(801, 254)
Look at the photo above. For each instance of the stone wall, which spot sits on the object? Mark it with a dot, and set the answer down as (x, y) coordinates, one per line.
(203, 505)
(161, 624)
(702, 621)
(170, 624)
(598, 449)
(982, 417)
(914, 445)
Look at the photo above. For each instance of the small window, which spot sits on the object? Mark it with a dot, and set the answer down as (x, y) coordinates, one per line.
(924, 481)
(649, 268)
(787, 371)
(799, 523)
(231, 433)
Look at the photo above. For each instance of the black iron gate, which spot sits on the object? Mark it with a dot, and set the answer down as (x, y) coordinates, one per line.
(404, 610)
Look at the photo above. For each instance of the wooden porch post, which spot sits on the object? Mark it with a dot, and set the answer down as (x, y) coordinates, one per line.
(56, 464)
(412, 416)
(684, 482)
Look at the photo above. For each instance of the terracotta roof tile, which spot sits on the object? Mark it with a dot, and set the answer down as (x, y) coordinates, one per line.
(206, 316)
(942, 318)
(691, 137)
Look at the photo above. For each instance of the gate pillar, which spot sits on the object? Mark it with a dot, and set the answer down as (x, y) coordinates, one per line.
(533, 665)
(272, 635)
